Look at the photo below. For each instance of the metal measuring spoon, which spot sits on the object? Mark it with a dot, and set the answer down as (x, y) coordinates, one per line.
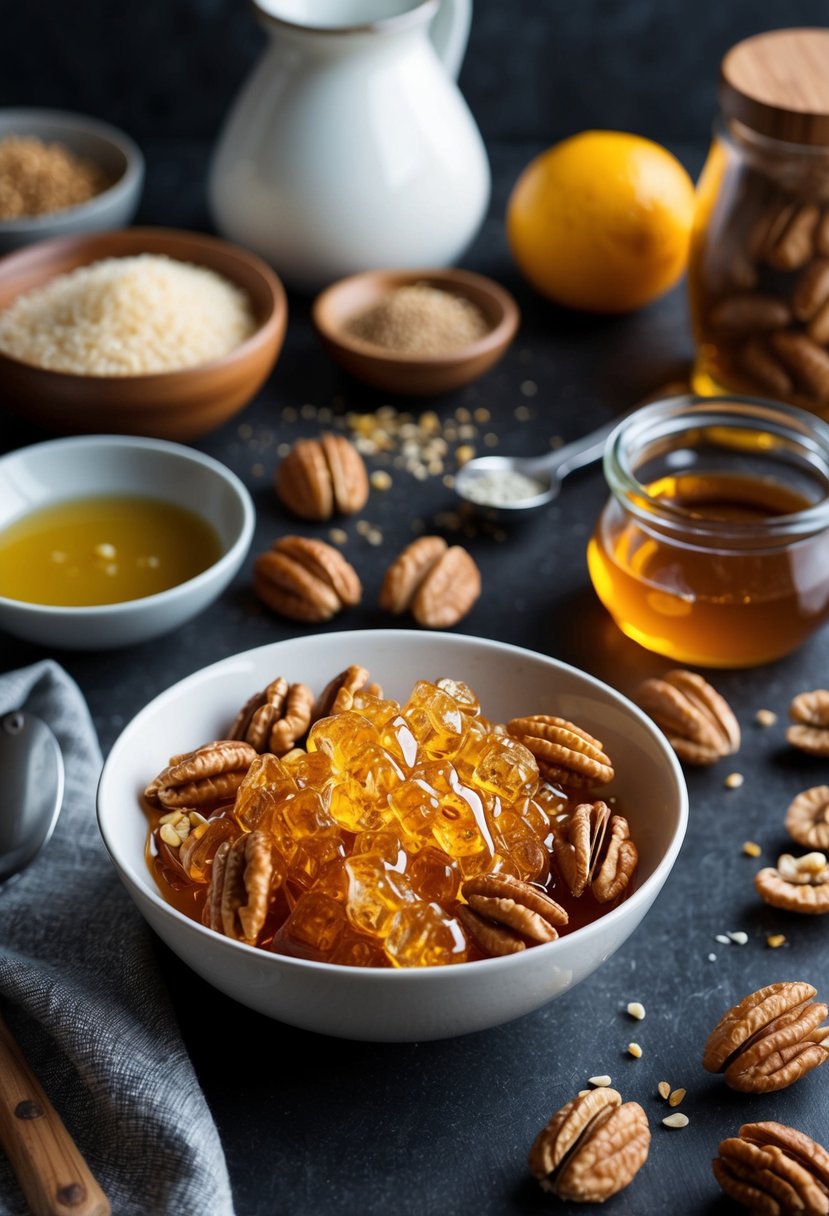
(53, 1175)
(506, 486)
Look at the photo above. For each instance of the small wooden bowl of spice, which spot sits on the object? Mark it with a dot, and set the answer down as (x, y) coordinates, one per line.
(416, 332)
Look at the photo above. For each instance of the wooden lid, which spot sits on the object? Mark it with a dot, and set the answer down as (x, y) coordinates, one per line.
(777, 83)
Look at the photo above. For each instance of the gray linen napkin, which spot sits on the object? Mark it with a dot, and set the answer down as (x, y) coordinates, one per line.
(81, 992)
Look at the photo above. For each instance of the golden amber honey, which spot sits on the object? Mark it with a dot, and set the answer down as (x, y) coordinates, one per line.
(103, 550)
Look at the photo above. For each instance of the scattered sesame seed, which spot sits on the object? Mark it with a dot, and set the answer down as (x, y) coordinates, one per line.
(245, 430)
(374, 537)
(464, 453)
(712, 958)
(722, 938)
(338, 536)
(677, 1120)
(449, 481)
(106, 551)
(765, 717)
(663, 1089)
(308, 411)
(529, 388)
(363, 527)
(739, 938)
(481, 414)
(676, 1096)
(289, 414)
(523, 412)
(380, 479)
(556, 441)
(733, 781)
(776, 940)
(636, 1010)
(462, 414)
(752, 849)
(257, 470)
(635, 1050)
(600, 1081)
(490, 440)
(283, 449)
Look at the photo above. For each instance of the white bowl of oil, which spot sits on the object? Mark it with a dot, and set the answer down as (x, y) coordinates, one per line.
(108, 541)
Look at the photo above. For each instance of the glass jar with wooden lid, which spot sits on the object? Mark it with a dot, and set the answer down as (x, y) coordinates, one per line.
(759, 265)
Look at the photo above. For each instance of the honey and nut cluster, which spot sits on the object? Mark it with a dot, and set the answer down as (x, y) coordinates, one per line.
(350, 828)
(702, 729)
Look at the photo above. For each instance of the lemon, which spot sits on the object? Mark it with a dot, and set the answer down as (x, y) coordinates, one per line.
(602, 221)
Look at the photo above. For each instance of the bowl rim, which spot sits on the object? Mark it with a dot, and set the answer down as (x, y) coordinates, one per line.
(494, 339)
(642, 895)
(231, 557)
(267, 332)
(131, 179)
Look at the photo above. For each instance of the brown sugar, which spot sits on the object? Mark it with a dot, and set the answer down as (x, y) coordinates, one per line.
(37, 178)
(420, 320)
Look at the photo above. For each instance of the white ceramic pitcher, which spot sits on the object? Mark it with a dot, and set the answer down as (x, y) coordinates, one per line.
(350, 147)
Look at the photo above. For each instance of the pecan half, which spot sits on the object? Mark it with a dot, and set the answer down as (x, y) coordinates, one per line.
(566, 754)
(770, 1039)
(773, 1169)
(796, 884)
(204, 778)
(506, 915)
(305, 579)
(592, 1148)
(338, 694)
(436, 582)
(785, 235)
(243, 879)
(322, 476)
(809, 711)
(807, 362)
(593, 849)
(698, 722)
(749, 312)
(274, 719)
(807, 819)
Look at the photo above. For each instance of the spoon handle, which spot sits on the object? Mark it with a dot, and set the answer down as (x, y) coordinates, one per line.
(573, 455)
(53, 1175)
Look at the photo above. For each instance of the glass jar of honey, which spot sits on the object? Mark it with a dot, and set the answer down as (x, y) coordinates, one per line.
(713, 547)
(758, 273)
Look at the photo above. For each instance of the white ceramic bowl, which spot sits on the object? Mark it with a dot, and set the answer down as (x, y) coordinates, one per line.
(111, 149)
(101, 465)
(403, 1005)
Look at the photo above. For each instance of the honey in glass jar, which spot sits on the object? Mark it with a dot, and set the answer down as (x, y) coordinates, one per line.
(713, 547)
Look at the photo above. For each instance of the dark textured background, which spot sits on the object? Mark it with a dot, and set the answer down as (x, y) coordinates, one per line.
(442, 1129)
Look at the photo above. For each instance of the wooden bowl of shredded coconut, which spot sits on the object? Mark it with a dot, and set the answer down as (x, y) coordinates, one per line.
(144, 331)
(417, 332)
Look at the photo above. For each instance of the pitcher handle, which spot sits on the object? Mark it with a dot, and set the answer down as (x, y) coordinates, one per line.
(450, 33)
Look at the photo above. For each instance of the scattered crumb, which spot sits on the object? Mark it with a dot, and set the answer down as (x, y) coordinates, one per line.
(338, 536)
(374, 536)
(765, 717)
(733, 781)
(739, 938)
(676, 1096)
(308, 411)
(600, 1081)
(529, 388)
(676, 1120)
(776, 940)
(245, 430)
(636, 1010)
(257, 470)
(490, 440)
(363, 527)
(283, 449)
(289, 414)
(481, 414)
(380, 479)
(635, 1050)
(663, 1089)
(464, 453)
(752, 849)
(523, 413)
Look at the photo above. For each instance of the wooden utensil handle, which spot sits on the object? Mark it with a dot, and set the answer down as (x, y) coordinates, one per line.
(53, 1175)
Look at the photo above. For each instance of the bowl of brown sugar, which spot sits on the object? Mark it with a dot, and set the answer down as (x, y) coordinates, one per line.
(416, 332)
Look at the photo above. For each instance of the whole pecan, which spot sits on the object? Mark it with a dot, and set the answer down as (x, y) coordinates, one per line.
(305, 579)
(770, 1039)
(592, 1148)
(809, 712)
(436, 582)
(796, 884)
(698, 722)
(593, 849)
(338, 694)
(773, 1169)
(504, 915)
(274, 719)
(566, 754)
(243, 879)
(807, 819)
(204, 778)
(320, 477)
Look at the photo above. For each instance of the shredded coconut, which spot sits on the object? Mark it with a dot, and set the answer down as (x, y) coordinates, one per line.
(127, 316)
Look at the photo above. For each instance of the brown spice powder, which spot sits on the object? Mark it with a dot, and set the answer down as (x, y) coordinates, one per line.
(420, 320)
(37, 178)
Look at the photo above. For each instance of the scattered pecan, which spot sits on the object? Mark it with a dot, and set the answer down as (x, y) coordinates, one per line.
(698, 722)
(338, 694)
(770, 1039)
(305, 579)
(436, 582)
(565, 753)
(593, 848)
(592, 1148)
(243, 879)
(505, 915)
(774, 1169)
(809, 711)
(274, 719)
(322, 476)
(796, 884)
(807, 819)
(204, 778)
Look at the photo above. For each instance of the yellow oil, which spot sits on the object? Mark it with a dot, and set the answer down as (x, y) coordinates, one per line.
(105, 550)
